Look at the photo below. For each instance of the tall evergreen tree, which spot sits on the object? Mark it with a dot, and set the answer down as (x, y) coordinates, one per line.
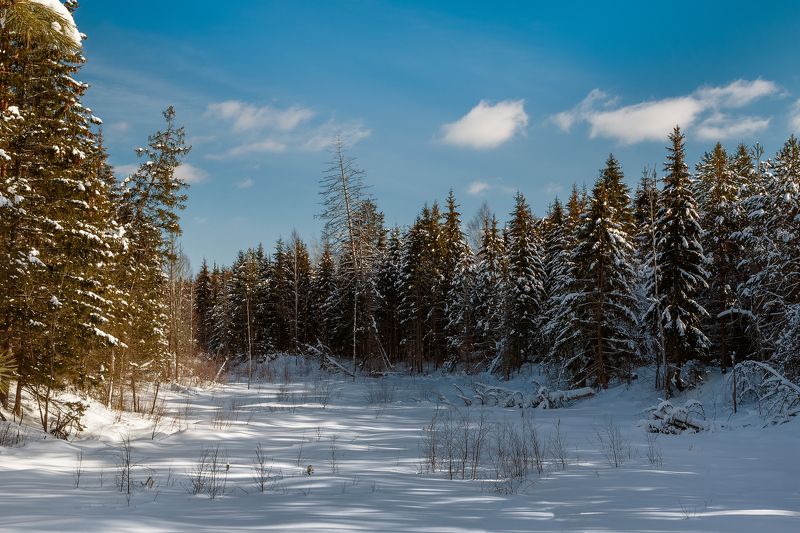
(681, 274)
(525, 288)
(488, 297)
(604, 290)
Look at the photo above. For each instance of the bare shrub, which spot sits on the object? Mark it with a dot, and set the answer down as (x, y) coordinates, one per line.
(614, 447)
(223, 419)
(156, 416)
(558, 446)
(654, 456)
(429, 445)
(537, 448)
(124, 471)
(210, 475)
(333, 454)
(262, 469)
(323, 389)
(77, 471)
(283, 393)
(12, 435)
(380, 391)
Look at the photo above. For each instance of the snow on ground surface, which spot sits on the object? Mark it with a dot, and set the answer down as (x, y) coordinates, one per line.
(738, 477)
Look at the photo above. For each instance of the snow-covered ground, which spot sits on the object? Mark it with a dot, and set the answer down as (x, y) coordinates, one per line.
(365, 443)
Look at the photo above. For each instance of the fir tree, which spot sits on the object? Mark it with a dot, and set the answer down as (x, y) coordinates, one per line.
(681, 274)
(488, 298)
(603, 291)
(525, 288)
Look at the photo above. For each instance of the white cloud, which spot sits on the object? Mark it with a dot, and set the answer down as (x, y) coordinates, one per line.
(721, 126)
(648, 121)
(119, 127)
(258, 130)
(257, 147)
(323, 136)
(738, 93)
(190, 173)
(245, 183)
(652, 120)
(247, 117)
(123, 171)
(566, 119)
(486, 125)
(478, 187)
(794, 117)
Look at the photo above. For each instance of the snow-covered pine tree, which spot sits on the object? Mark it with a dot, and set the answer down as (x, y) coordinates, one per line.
(488, 296)
(717, 189)
(203, 305)
(780, 280)
(421, 271)
(603, 290)
(681, 274)
(646, 207)
(457, 281)
(57, 234)
(525, 289)
(152, 198)
(323, 297)
(389, 283)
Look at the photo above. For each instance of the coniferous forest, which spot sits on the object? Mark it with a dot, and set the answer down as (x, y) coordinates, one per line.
(625, 359)
(693, 267)
(698, 264)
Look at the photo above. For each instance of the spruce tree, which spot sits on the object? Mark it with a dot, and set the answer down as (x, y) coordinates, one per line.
(525, 288)
(603, 289)
(488, 297)
(681, 274)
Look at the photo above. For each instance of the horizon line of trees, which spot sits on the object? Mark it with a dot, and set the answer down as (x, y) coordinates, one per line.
(693, 267)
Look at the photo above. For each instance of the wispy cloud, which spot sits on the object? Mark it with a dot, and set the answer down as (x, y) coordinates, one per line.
(477, 187)
(190, 173)
(794, 117)
(268, 129)
(721, 126)
(248, 117)
(257, 147)
(323, 136)
(245, 183)
(487, 126)
(123, 171)
(703, 109)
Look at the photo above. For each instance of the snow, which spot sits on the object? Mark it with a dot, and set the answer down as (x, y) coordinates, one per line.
(736, 477)
(70, 30)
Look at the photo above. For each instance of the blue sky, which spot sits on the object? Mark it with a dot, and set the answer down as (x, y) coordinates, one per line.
(484, 98)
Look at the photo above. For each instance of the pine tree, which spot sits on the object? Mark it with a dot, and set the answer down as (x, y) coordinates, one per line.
(717, 195)
(324, 297)
(57, 233)
(603, 290)
(681, 274)
(488, 298)
(457, 275)
(203, 304)
(421, 269)
(389, 281)
(525, 288)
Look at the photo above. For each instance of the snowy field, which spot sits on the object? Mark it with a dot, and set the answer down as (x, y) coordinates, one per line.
(366, 445)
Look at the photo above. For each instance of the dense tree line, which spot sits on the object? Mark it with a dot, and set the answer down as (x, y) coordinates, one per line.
(94, 292)
(698, 267)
